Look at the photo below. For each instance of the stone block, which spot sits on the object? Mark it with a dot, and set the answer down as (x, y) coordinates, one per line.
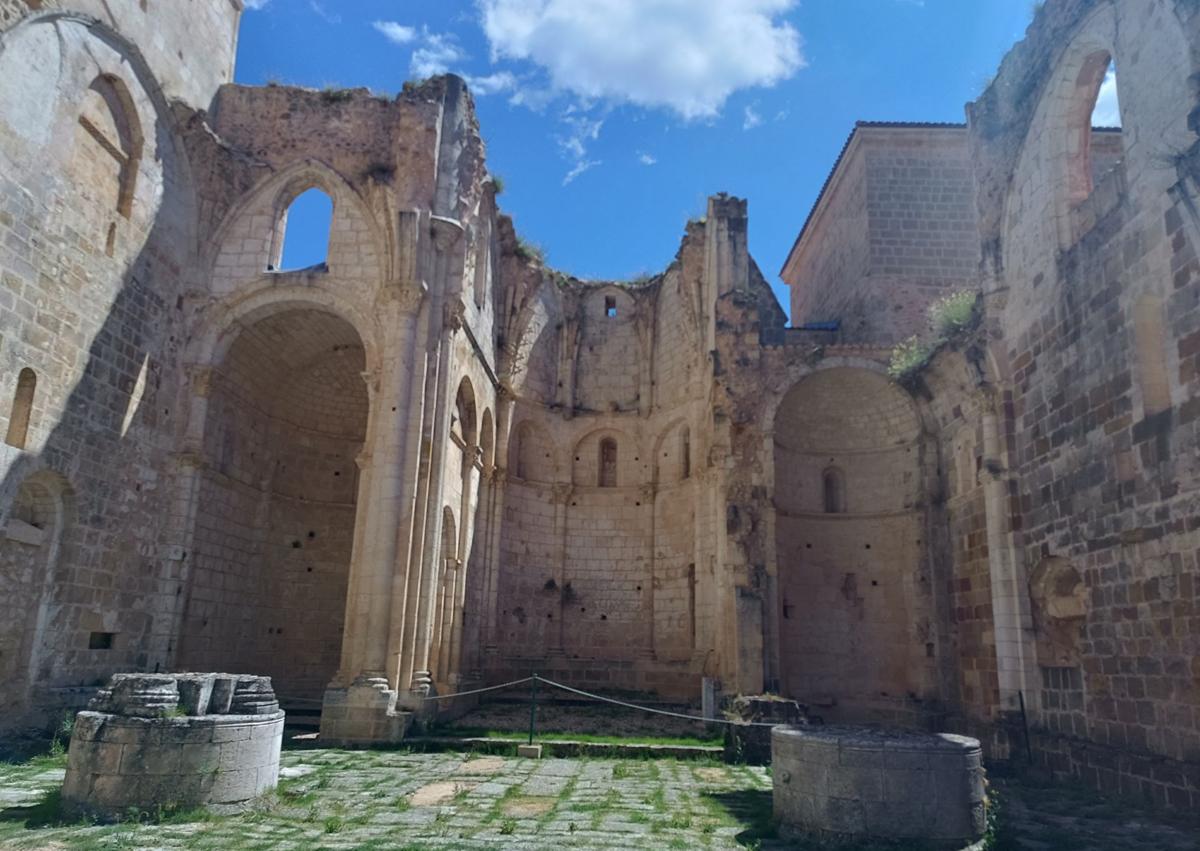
(529, 751)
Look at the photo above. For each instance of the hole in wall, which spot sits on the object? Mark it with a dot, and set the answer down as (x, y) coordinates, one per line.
(311, 534)
(101, 640)
(296, 545)
(604, 617)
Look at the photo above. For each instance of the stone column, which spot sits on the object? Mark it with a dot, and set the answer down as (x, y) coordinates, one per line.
(359, 703)
(466, 530)
(649, 495)
(1016, 663)
(189, 468)
(447, 238)
(562, 498)
(504, 415)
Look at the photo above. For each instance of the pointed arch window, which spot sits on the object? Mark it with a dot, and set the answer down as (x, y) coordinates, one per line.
(303, 232)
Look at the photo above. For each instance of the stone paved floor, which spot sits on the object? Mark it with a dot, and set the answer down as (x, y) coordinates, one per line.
(374, 800)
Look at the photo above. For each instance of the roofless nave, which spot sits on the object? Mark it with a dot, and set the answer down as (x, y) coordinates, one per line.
(433, 462)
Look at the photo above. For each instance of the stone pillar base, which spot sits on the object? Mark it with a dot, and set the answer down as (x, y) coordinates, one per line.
(362, 713)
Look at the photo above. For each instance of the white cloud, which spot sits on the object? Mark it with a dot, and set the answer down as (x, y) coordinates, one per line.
(395, 32)
(580, 168)
(501, 81)
(327, 17)
(256, 4)
(1108, 108)
(438, 51)
(646, 159)
(752, 119)
(685, 55)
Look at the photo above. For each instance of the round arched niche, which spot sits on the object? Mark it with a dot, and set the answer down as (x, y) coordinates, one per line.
(1060, 606)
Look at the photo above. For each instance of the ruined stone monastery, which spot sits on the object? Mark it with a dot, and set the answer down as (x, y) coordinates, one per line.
(432, 462)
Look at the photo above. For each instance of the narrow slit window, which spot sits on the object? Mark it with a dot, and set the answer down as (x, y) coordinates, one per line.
(22, 409)
(685, 452)
(305, 228)
(608, 463)
(834, 487)
(610, 306)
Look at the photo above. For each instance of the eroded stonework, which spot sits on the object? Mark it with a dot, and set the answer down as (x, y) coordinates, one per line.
(431, 462)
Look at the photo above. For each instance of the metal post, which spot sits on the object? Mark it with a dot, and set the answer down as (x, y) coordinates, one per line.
(532, 704)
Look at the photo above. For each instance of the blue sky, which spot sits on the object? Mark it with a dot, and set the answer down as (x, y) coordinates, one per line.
(611, 121)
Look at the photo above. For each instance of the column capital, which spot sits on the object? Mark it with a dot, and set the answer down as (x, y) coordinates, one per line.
(407, 296)
(201, 376)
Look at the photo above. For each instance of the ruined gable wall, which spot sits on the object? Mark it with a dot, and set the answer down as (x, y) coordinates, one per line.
(1100, 290)
(190, 47)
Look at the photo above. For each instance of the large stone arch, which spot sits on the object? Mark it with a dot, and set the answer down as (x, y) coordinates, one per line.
(853, 597)
(33, 529)
(280, 422)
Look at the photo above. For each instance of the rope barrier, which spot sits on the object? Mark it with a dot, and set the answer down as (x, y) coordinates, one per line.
(656, 711)
(535, 678)
(477, 690)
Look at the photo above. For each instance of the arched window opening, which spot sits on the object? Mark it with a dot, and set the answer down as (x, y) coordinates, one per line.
(302, 235)
(1107, 111)
(463, 425)
(608, 463)
(487, 441)
(1095, 103)
(108, 153)
(834, 486)
(22, 409)
(685, 453)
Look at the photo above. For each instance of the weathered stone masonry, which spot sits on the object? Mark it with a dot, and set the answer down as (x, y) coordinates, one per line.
(431, 461)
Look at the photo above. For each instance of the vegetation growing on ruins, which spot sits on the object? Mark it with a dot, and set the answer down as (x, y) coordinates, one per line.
(950, 317)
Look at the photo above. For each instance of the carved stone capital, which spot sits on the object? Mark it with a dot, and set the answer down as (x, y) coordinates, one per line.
(190, 459)
(407, 296)
(446, 233)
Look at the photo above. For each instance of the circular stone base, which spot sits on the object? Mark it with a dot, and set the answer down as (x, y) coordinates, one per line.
(119, 763)
(865, 784)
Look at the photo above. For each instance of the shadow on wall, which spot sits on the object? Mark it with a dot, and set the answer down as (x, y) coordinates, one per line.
(83, 504)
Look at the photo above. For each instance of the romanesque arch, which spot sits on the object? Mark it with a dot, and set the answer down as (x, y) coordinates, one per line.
(848, 543)
(31, 537)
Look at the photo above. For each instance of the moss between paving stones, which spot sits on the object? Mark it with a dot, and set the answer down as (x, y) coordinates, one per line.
(363, 800)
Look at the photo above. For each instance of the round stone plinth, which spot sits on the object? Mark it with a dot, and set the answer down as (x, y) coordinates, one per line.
(118, 763)
(865, 784)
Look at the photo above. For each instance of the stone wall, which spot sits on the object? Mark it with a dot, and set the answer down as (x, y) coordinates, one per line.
(94, 261)
(190, 52)
(893, 230)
